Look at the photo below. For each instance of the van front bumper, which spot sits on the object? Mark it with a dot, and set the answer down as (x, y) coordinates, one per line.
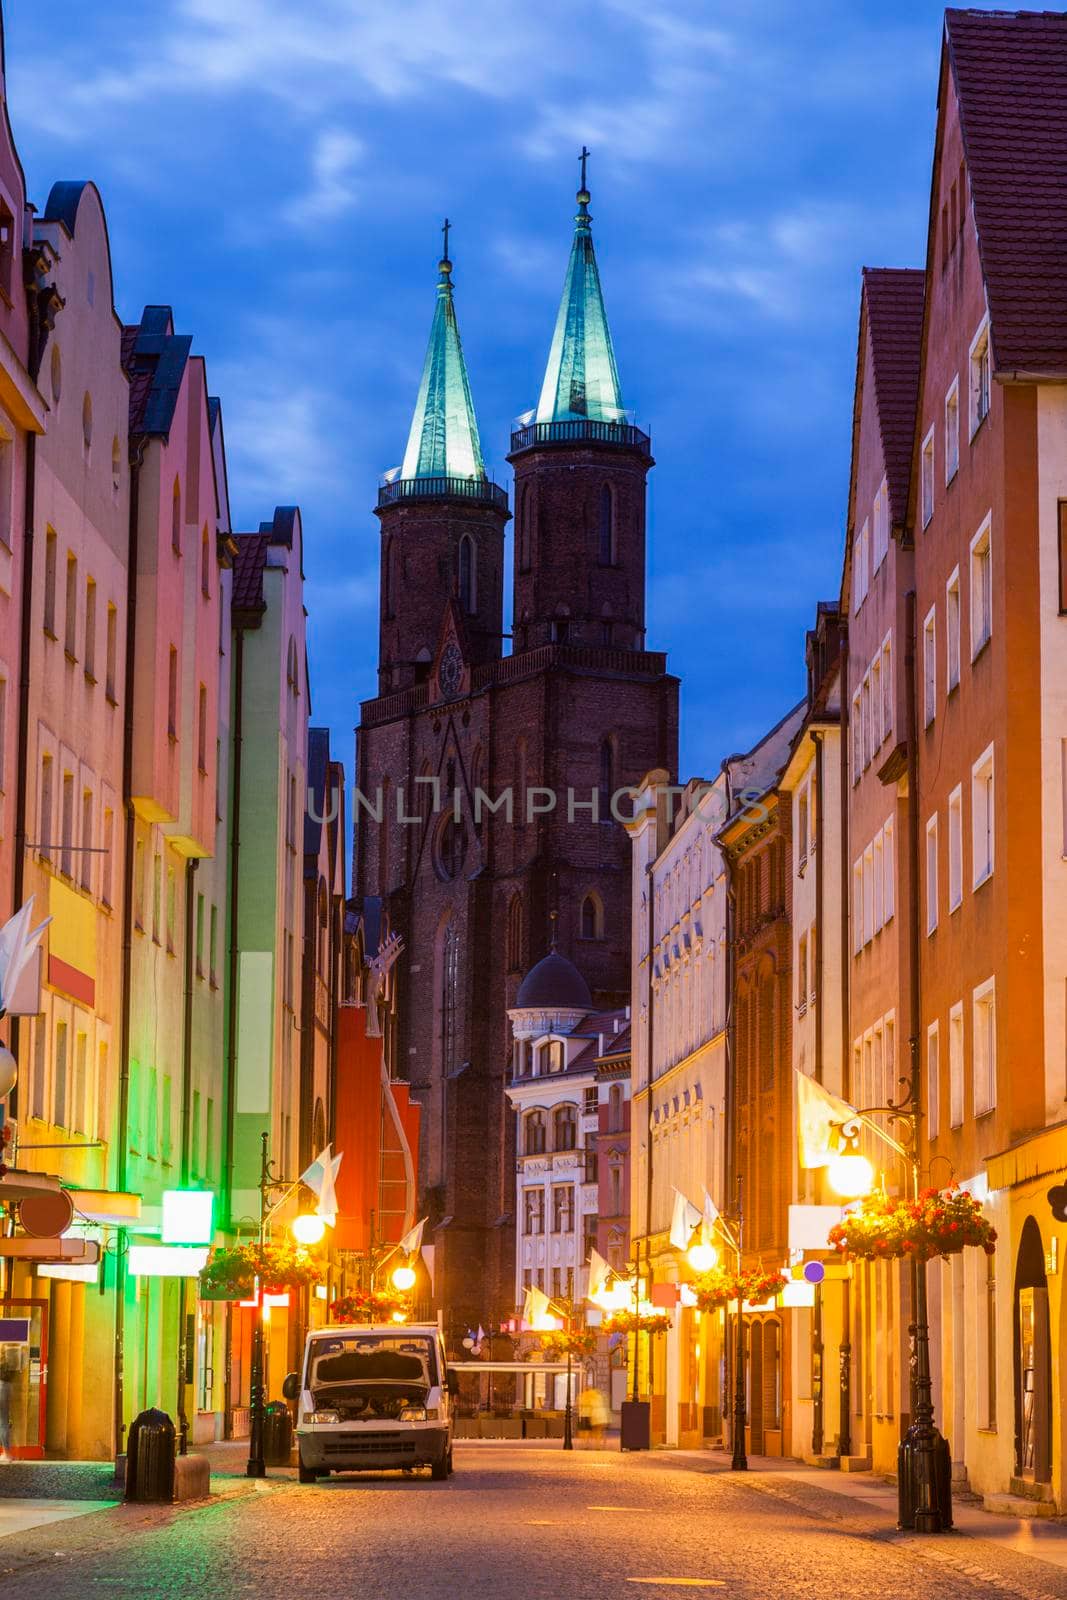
(371, 1449)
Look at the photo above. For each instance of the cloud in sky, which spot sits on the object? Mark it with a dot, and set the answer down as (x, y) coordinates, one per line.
(279, 176)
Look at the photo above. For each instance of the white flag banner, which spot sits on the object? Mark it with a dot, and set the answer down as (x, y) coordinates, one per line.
(685, 1220)
(17, 945)
(599, 1273)
(321, 1179)
(412, 1240)
(819, 1115)
(711, 1213)
(535, 1307)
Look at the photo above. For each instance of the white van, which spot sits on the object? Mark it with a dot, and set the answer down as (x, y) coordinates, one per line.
(373, 1398)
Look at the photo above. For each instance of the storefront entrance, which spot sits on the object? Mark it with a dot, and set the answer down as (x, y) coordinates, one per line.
(1033, 1361)
(23, 1376)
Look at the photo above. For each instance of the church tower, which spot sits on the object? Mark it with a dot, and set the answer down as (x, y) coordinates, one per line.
(580, 469)
(442, 520)
(578, 711)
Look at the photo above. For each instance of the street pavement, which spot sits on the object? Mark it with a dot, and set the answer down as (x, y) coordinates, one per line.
(534, 1524)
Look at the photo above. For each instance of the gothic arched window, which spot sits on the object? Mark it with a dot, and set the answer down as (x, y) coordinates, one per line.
(565, 1128)
(449, 997)
(533, 1143)
(592, 920)
(468, 583)
(515, 933)
(607, 527)
(525, 529)
(606, 781)
(389, 579)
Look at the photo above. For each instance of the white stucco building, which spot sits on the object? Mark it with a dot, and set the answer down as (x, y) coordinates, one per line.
(557, 1085)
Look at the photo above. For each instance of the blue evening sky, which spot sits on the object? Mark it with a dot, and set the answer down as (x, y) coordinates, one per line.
(278, 174)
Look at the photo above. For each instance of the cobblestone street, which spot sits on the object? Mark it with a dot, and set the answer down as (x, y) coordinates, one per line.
(514, 1522)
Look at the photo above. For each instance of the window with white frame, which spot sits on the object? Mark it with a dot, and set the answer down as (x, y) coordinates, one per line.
(857, 907)
(861, 548)
(952, 632)
(879, 884)
(933, 1080)
(868, 894)
(881, 525)
(868, 743)
(890, 1058)
(952, 431)
(981, 375)
(982, 817)
(887, 686)
(876, 701)
(857, 737)
(802, 827)
(929, 667)
(802, 973)
(984, 1021)
(931, 875)
(926, 481)
(955, 1066)
(981, 588)
(889, 870)
(955, 848)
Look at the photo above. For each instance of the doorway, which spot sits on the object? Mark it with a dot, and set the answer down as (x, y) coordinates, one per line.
(23, 1370)
(1033, 1361)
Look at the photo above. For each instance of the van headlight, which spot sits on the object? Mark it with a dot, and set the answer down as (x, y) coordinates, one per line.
(413, 1414)
(321, 1416)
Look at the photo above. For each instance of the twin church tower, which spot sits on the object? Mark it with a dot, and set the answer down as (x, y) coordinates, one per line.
(579, 706)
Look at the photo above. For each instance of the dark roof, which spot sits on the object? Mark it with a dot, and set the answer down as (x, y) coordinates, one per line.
(248, 567)
(554, 983)
(1010, 71)
(318, 782)
(154, 358)
(894, 300)
(63, 202)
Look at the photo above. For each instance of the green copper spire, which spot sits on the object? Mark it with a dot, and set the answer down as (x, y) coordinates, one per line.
(443, 442)
(582, 381)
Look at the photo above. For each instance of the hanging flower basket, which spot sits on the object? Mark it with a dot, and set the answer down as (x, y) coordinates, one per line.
(231, 1271)
(636, 1322)
(941, 1222)
(371, 1305)
(721, 1287)
(557, 1346)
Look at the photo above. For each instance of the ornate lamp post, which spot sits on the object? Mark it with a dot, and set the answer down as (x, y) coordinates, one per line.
(739, 1462)
(924, 1463)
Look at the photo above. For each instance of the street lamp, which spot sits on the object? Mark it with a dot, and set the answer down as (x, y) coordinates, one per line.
(702, 1255)
(924, 1465)
(307, 1228)
(404, 1278)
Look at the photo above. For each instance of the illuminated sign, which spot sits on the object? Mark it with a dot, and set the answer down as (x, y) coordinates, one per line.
(166, 1261)
(188, 1216)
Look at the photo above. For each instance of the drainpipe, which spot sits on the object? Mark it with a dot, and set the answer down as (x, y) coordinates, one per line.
(914, 940)
(231, 1018)
(844, 1439)
(129, 831)
(818, 838)
(22, 776)
(186, 1154)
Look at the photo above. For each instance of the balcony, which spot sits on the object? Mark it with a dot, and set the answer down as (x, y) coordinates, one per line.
(477, 489)
(536, 435)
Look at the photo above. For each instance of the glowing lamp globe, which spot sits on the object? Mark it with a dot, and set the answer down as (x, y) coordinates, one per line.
(702, 1256)
(9, 1071)
(404, 1278)
(851, 1176)
(399, 1316)
(308, 1228)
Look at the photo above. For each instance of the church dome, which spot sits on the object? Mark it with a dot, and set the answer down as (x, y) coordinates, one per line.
(554, 984)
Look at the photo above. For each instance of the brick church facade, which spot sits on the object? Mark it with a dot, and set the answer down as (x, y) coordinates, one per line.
(484, 820)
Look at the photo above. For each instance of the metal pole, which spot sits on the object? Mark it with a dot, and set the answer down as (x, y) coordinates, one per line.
(816, 1375)
(568, 1415)
(256, 1467)
(637, 1314)
(844, 1433)
(739, 1462)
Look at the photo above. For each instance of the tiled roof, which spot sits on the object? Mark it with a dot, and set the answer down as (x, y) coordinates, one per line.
(1010, 71)
(140, 377)
(894, 299)
(154, 358)
(248, 567)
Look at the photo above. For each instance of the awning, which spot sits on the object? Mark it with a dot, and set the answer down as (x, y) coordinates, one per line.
(70, 1248)
(110, 1206)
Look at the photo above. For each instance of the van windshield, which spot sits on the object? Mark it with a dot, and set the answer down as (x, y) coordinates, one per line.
(374, 1358)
